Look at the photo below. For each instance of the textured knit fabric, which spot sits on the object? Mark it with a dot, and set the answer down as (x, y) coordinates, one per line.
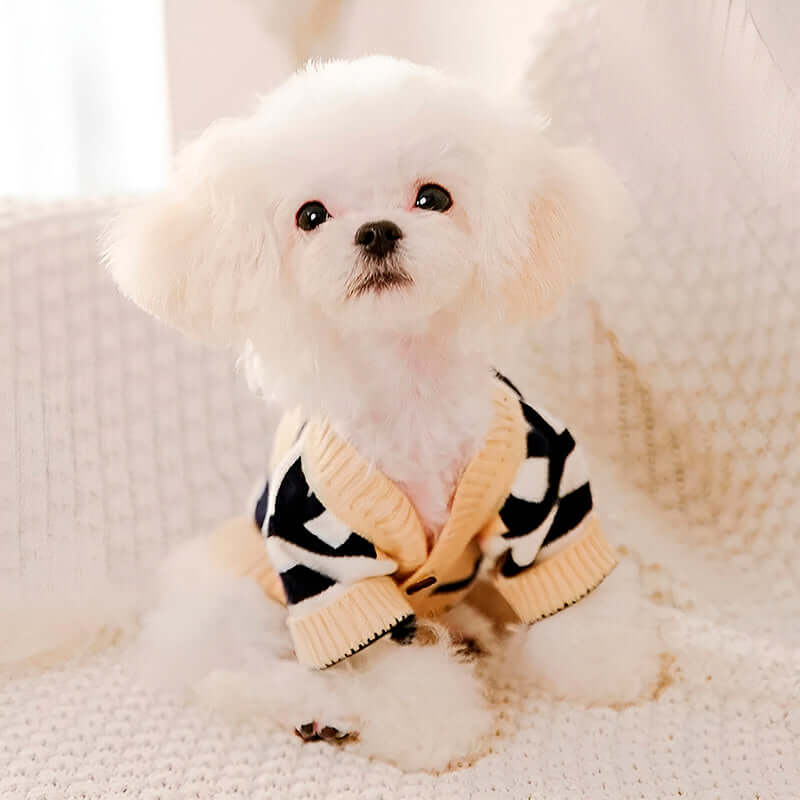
(126, 439)
(352, 554)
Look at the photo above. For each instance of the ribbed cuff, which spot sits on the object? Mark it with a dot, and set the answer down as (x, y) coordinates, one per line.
(561, 580)
(368, 610)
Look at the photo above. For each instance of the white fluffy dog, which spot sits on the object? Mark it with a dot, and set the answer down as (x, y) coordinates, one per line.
(272, 240)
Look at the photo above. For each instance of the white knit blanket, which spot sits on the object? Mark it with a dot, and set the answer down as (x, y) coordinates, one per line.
(680, 371)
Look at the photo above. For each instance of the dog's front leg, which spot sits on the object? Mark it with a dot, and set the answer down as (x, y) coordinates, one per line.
(417, 705)
(603, 650)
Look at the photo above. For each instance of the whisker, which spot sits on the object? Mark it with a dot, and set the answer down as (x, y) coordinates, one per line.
(378, 276)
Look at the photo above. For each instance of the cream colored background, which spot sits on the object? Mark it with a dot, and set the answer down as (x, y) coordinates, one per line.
(679, 369)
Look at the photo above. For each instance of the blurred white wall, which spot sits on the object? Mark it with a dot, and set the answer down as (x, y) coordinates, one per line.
(486, 41)
(95, 95)
(223, 53)
(219, 59)
(82, 97)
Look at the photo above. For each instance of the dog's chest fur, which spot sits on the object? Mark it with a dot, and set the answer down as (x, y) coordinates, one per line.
(422, 424)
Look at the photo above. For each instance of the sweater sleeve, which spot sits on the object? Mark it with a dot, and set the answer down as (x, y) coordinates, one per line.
(548, 545)
(339, 595)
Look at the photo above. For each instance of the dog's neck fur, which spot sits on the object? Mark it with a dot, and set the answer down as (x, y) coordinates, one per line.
(419, 410)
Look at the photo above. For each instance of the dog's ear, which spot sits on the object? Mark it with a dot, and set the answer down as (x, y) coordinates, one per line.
(197, 255)
(563, 213)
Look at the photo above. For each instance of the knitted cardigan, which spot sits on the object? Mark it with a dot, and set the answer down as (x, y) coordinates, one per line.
(347, 553)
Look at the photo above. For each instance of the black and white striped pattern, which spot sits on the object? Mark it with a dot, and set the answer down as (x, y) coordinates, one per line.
(308, 546)
(317, 555)
(549, 498)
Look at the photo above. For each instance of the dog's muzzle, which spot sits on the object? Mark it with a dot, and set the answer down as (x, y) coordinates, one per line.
(372, 276)
(377, 267)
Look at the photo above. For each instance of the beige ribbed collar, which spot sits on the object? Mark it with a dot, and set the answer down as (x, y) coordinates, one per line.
(370, 503)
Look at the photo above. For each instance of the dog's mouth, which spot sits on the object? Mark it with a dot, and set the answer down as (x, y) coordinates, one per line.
(376, 279)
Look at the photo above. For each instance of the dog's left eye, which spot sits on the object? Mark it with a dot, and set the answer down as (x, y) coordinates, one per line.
(432, 197)
(311, 215)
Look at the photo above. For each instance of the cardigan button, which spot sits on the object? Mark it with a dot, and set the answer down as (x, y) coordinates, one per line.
(420, 585)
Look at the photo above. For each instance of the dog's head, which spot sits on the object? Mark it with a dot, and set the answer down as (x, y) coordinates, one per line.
(363, 198)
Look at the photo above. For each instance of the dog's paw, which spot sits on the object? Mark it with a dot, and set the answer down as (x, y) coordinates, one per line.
(604, 650)
(339, 733)
(419, 707)
(472, 633)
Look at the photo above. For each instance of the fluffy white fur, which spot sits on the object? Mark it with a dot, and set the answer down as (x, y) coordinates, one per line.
(217, 638)
(219, 254)
(402, 372)
(604, 650)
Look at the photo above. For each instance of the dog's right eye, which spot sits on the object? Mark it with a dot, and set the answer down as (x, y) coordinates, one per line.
(311, 215)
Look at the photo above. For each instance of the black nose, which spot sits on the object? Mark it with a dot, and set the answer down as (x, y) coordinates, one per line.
(378, 238)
